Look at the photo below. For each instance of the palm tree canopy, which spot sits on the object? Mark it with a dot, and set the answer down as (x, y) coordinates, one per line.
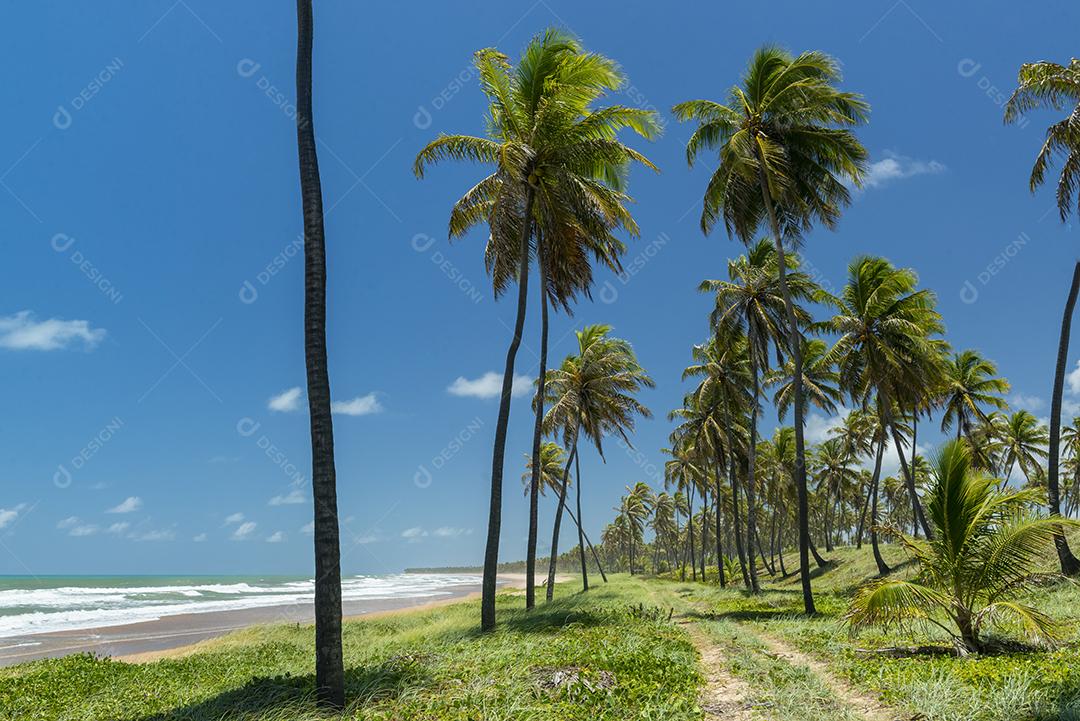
(552, 461)
(819, 379)
(1054, 87)
(545, 137)
(970, 382)
(787, 120)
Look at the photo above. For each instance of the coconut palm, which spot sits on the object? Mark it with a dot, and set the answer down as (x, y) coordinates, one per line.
(682, 473)
(885, 346)
(819, 379)
(835, 469)
(752, 303)
(552, 462)
(1023, 443)
(785, 149)
(634, 509)
(592, 394)
(557, 191)
(970, 383)
(983, 556)
(662, 523)
(329, 667)
(1055, 87)
(1070, 438)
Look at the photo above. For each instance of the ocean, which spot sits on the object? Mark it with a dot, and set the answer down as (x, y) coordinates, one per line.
(31, 605)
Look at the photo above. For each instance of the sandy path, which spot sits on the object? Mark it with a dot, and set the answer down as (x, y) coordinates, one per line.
(724, 696)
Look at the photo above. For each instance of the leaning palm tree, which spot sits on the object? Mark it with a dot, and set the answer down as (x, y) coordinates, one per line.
(556, 192)
(752, 303)
(984, 555)
(592, 394)
(1055, 87)
(886, 347)
(785, 151)
(329, 666)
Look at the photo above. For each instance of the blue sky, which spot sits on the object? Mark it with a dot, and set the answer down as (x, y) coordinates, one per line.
(151, 315)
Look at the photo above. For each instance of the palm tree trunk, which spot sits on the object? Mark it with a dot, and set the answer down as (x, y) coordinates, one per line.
(329, 666)
(678, 532)
(534, 484)
(491, 552)
(595, 555)
(580, 532)
(780, 545)
(883, 568)
(795, 341)
(719, 532)
(690, 532)
(909, 480)
(733, 480)
(751, 467)
(554, 556)
(704, 530)
(862, 517)
(1070, 566)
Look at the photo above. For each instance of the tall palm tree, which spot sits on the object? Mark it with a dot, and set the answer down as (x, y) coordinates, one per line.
(786, 150)
(836, 474)
(1055, 87)
(886, 347)
(681, 473)
(753, 303)
(592, 394)
(819, 379)
(970, 383)
(1023, 443)
(556, 191)
(662, 523)
(634, 508)
(552, 461)
(329, 666)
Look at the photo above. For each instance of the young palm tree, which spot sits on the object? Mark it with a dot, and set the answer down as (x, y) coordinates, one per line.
(885, 346)
(592, 393)
(1055, 87)
(329, 667)
(785, 152)
(1023, 443)
(982, 557)
(970, 383)
(556, 191)
(753, 302)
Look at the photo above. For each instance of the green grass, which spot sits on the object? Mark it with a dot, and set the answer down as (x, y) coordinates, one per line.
(430, 665)
(1028, 686)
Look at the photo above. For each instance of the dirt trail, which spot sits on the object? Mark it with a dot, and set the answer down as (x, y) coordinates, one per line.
(865, 704)
(724, 696)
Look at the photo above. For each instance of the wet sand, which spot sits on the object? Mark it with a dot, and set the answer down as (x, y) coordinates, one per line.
(175, 635)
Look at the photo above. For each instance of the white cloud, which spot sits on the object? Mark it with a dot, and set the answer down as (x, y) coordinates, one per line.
(366, 539)
(118, 528)
(293, 497)
(308, 528)
(1028, 403)
(286, 401)
(234, 518)
(819, 427)
(88, 529)
(275, 537)
(244, 530)
(489, 385)
(128, 505)
(7, 515)
(22, 332)
(165, 534)
(448, 532)
(413, 535)
(897, 167)
(359, 406)
(1073, 379)
(199, 538)
(68, 522)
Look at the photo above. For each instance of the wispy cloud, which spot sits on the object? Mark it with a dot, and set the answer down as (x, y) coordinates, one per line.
(8, 515)
(276, 537)
(359, 406)
(234, 518)
(293, 497)
(895, 167)
(164, 534)
(199, 538)
(23, 332)
(1027, 402)
(413, 535)
(244, 531)
(488, 385)
(68, 522)
(308, 528)
(448, 532)
(128, 505)
(118, 529)
(87, 529)
(286, 401)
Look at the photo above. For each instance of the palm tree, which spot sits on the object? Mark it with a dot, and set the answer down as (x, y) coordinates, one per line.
(819, 379)
(1070, 438)
(552, 461)
(682, 472)
(885, 346)
(984, 554)
(634, 509)
(1055, 87)
(592, 393)
(329, 666)
(557, 182)
(785, 151)
(970, 383)
(836, 474)
(1023, 443)
(752, 302)
(665, 530)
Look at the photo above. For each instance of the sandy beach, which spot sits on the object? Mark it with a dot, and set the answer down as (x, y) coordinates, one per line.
(180, 634)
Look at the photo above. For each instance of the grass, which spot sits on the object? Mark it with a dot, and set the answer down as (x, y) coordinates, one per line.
(584, 656)
(1021, 686)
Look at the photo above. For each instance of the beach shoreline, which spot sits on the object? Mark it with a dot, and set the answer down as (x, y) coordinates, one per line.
(182, 634)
